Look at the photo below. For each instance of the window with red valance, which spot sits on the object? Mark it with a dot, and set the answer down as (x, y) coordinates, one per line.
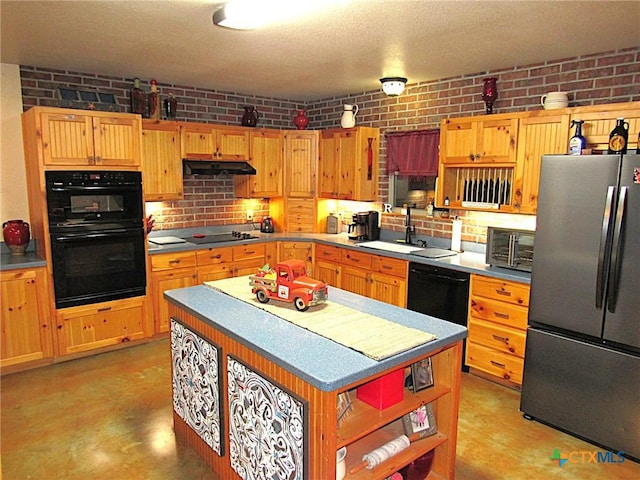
(413, 153)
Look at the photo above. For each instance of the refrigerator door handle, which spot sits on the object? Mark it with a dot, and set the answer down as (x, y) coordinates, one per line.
(616, 252)
(604, 240)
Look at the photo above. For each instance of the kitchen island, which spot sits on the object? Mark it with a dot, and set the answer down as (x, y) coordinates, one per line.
(253, 392)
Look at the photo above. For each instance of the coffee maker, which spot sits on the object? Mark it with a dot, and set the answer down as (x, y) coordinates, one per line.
(364, 226)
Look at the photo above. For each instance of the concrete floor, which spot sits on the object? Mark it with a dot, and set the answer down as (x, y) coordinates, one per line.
(109, 417)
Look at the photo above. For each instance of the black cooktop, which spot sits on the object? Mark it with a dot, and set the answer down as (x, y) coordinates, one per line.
(219, 237)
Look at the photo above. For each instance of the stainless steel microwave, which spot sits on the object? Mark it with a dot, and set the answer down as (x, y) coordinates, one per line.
(510, 248)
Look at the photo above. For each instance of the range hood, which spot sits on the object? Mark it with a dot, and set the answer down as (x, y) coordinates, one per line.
(206, 167)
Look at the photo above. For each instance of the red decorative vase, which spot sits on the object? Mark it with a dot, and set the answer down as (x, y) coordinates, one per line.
(301, 121)
(489, 93)
(16, 236)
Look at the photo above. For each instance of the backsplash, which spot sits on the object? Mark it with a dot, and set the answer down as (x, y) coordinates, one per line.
(591, 79)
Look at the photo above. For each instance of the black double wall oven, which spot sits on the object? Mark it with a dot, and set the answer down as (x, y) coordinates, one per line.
(96, 223)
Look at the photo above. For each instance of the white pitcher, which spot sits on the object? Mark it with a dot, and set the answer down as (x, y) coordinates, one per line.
(348, 119)
(553, 100)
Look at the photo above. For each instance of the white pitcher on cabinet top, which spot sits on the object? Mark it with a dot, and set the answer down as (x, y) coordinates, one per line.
(348, 119)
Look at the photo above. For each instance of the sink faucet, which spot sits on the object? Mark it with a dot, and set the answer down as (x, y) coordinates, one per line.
(409, 229)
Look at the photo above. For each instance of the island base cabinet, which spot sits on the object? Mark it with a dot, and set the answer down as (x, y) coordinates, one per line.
(365, 428)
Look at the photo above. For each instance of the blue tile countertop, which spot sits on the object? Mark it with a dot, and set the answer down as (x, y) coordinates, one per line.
(15, 262)
(321, 362)
(470, 262)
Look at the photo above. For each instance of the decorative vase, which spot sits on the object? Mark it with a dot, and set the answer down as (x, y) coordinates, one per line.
(489, 93)
(348, 119)
(301, 121)
(153, 101)
(138, 99)
(170, 106)
(250, 117)
(16, 236)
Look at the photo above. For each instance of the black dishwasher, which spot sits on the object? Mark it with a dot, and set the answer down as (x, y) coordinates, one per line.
(439, 292)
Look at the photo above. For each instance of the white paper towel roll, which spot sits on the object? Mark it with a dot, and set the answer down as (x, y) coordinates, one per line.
(456, 235)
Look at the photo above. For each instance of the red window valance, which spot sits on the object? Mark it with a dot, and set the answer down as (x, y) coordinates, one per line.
(413, 153)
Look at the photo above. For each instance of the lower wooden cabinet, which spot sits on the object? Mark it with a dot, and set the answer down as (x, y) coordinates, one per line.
(24, 317)
(498, 311)
(328, 265)
(297, 250)
(88, 327)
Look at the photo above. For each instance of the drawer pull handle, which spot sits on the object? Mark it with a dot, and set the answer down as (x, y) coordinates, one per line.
(105, 309)
(387, 267)
(499, 338)
(249, 252)
(501, 315)
(174, 261)
(497, 364)
(503, 292)
(216, 256)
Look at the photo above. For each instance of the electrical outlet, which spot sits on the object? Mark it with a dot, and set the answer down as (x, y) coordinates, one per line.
(249, 215)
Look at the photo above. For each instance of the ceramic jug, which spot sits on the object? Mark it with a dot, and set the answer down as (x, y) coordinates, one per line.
(16, 236)
(553, 100)
(301, 121)
(250, 117)
(348, 119)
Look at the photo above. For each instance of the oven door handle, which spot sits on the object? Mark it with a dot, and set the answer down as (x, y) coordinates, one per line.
(96, 235)
(95, 188)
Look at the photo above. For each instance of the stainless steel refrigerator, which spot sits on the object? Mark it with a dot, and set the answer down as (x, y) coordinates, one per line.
(582, 358)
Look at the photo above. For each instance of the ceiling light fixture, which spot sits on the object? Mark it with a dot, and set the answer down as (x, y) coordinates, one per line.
(393, 86)
(234, 16)
(251, 14)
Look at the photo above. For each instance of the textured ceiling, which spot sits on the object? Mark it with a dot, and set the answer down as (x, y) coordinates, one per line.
(344, 48)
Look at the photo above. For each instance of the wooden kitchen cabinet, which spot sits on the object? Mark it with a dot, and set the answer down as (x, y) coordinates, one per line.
(299, 251)
(348, 164)
(203, 141)
(267, 158)
(26, 332)
(540, 133)
(248, 258)
(300, 163)
(78, 138)
(497, 326)
(214, 264)
(599, 121)
(327, 265)
(161, 161)
(105, 324)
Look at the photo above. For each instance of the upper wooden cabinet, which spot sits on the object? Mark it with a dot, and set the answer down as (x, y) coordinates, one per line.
(300, 163)
(600, 120)
(161, 161)
(486, 139)
(266, 158)
(68, 137)
(202, 141)
(349, 162)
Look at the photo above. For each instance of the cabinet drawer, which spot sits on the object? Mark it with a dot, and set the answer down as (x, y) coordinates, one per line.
(512, 292)
(499, 337)
(503, 365)
(214, 256)
(168, 261)
(389, 266)
(330, 254)
(356, 259)
(499, 312)
(246, 251)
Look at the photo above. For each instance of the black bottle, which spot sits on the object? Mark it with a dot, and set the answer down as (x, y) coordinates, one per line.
(619, 137)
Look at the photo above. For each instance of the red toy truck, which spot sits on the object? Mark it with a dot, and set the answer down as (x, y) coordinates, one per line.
(288, 282)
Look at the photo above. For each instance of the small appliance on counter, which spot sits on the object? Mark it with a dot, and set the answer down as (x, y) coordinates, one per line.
(510, 248)
(334, 224)
(266, 226)
(365, 226)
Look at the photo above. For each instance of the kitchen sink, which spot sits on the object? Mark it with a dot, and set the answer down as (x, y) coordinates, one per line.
(425, 252)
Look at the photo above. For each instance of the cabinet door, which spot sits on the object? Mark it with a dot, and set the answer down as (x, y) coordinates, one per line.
(233, 144)
(24, 320)
(458, 141)
(328, 272)
(67, 139)
(197, 141)
(348, 166)
(266, 158)
(389, 289)
(299, 251)
(537, 136)
(301, 160)
(168, 280)
(496, 141)
(328, 166)
(161, 162)
(355, 280)
(95, 326)
(117, 140)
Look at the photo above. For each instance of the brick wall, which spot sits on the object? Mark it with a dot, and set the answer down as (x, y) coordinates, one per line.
(591, 79)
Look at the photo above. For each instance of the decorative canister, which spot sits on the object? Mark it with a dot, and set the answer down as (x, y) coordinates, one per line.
(348, 119)
(250, 117)
(16, 236)
(301, 121)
